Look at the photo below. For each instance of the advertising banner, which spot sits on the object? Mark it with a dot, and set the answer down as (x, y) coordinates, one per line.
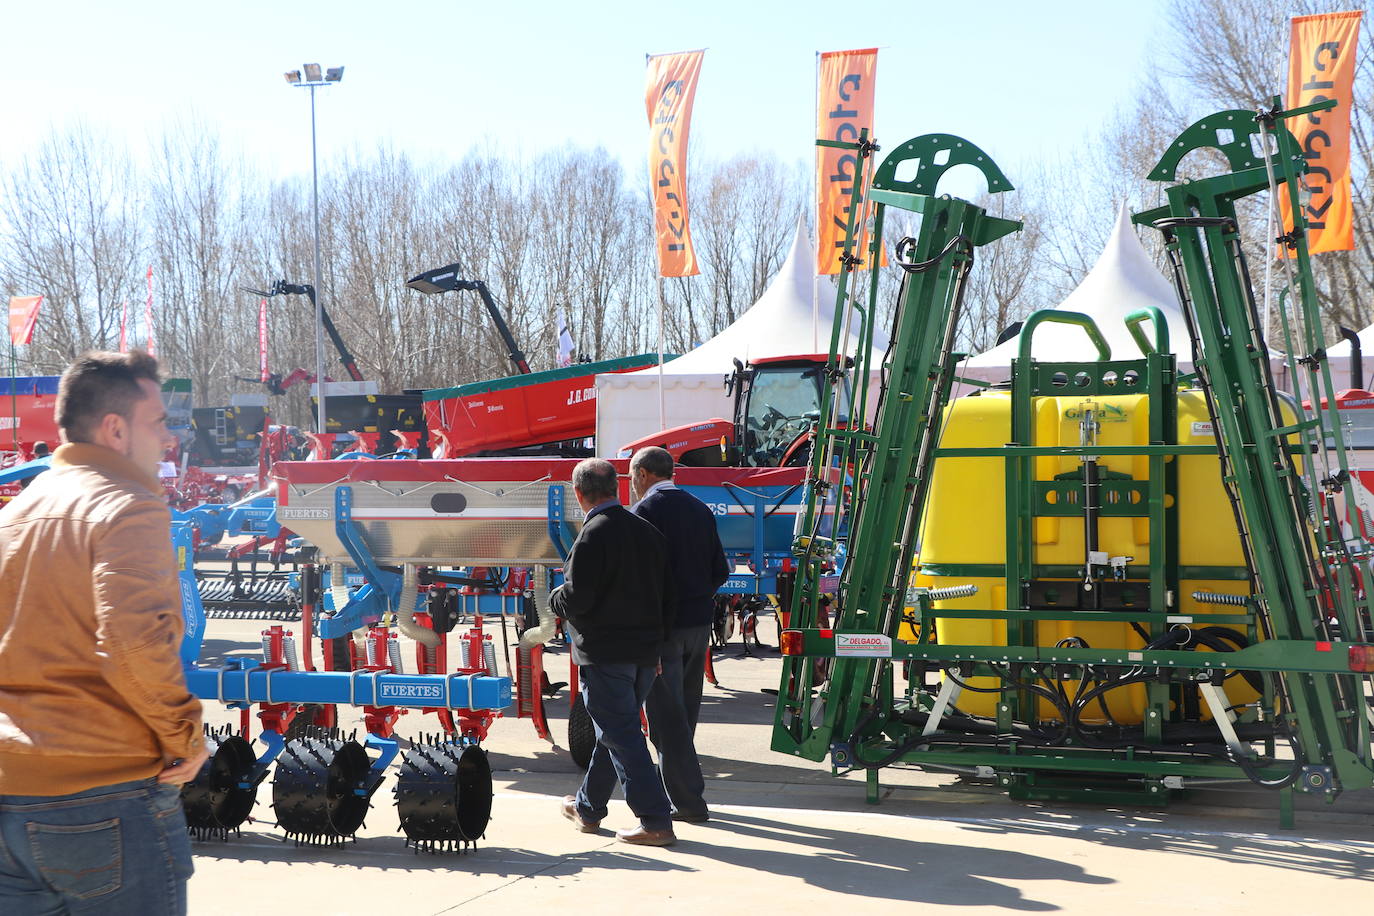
(23, 316)
(1321, 66)
(672, 84)
(844, 106)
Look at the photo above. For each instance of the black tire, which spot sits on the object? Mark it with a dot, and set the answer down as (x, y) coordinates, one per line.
(303, 721)
(581, 733)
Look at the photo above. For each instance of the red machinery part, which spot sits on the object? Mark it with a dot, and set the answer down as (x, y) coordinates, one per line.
(680, 440)
(520, 411)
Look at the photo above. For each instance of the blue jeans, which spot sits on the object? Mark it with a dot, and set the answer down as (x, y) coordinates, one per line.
(109, 850)
(673, 707)
(613, 695)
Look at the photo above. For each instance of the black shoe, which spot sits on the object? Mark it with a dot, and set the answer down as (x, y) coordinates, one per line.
(686, 817)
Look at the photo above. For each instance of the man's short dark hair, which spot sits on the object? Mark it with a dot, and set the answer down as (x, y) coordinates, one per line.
(595, 478)
(98, 384)
(655, 460)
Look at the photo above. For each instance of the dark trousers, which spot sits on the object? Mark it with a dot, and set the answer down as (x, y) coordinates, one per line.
(673, 707)
(613, 695)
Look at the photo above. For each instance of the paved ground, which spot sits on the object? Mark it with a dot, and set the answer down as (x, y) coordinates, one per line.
(787, 836)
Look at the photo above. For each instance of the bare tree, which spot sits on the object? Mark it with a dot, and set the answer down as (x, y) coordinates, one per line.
(71, 233)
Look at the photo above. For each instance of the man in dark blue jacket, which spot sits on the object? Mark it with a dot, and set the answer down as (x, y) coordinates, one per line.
(697, 569)
(615, 602)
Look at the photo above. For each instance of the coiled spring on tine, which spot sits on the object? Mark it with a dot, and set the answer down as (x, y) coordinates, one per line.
(1214, 598)
(952, 591)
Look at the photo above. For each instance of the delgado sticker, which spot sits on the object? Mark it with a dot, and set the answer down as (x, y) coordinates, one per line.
(863, 645)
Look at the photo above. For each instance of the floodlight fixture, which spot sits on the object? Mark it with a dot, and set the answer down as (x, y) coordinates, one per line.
(447, 280)
(293, 77)
(312, 73)
(333, 74)
(440, 280)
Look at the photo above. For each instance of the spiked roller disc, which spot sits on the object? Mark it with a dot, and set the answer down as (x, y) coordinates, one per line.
(315, 791)
(581, 733)
(443, 795)
(215, 801)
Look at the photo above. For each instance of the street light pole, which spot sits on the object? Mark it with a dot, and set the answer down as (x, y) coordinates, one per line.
(312, 82)
(320, 384)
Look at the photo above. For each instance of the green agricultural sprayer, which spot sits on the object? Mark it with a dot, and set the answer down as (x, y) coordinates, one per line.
(1104, 580)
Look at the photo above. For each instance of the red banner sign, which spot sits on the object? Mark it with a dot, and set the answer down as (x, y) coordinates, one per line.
(1321, 66)
(844, 106)
(152, 341)
(262, 340)
(23, 316)
(672, 84)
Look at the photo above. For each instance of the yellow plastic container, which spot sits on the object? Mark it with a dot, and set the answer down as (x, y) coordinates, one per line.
(965, 524)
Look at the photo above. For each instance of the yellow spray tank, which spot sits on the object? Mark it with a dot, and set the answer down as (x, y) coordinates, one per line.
(965, 528)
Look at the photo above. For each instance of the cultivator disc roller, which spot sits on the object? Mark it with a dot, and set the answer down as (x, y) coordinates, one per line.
(443, 795)
(322, 787)
(221, 796)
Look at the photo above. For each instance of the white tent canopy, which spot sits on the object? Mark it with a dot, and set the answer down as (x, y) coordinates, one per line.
(785, 321)
(1123, 280)
(1339, 356)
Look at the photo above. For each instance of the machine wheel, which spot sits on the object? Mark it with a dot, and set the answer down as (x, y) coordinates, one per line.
(320, 791)
(216, 801)
(306, 720)
(581, 733)
(443, 795)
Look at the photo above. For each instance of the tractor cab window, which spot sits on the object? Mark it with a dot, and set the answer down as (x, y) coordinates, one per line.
(1357, 428)
(783, 403)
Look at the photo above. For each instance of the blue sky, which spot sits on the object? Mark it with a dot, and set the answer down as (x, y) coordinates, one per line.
(435, 79)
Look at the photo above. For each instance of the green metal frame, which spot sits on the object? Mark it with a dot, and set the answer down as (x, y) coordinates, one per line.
(850, 707)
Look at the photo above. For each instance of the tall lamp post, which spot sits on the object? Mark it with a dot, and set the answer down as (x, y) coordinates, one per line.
(312, 82)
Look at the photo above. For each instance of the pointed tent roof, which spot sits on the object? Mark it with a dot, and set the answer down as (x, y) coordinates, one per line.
(783, 322)
(1123, 280)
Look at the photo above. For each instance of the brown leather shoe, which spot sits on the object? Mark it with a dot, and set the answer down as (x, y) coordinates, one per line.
(569, 809)
(643, 836)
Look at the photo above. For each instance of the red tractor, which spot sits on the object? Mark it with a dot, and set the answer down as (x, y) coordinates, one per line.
(777, 403)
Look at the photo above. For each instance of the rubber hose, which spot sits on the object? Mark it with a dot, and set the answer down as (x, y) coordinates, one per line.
(338, 588)
(405, 611)
(548, 623)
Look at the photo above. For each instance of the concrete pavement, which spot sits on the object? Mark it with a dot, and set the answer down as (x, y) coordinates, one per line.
(786, 835)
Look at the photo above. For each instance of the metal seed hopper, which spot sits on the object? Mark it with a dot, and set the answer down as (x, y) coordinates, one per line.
(467, 511)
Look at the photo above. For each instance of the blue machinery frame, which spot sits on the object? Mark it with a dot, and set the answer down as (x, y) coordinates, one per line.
(242, 681)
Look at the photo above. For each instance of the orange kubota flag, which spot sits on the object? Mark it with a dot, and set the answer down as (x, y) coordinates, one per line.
(1321, 66)
(844, 106)
(23, 316)
(672, 83)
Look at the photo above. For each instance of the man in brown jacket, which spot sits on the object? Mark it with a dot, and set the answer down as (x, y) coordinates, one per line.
(97, 729)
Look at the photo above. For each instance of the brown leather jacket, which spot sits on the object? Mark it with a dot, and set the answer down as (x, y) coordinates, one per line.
(91, 688)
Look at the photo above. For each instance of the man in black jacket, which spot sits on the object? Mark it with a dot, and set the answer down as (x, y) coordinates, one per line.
(614, 600)
(697, 569)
